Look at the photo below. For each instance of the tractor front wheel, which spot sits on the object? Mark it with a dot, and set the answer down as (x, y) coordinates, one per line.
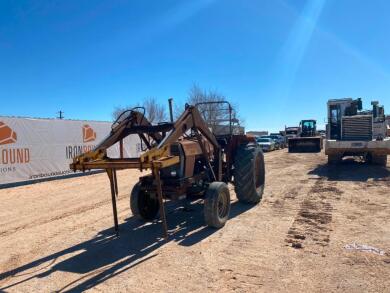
(142, 204)
(217, 204)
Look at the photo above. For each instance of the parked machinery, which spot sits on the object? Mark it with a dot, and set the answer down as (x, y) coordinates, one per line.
(186, 159)
(290, 132)
(307, 138)
(354, 132)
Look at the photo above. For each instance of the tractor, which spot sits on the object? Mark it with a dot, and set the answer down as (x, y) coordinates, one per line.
(354, 132)
(307, 139)
(195, 156)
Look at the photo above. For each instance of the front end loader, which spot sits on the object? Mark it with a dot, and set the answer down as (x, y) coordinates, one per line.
(307, 139)
(186, 159)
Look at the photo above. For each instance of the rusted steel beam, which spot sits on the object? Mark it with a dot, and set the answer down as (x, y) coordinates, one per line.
(126, 164)
(110, 174)
(115, 182)
(102, 164)
(204, 152)
(156, 173)
(121, 148)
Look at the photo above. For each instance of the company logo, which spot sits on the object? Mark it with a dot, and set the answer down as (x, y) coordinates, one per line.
(88, 133)
(10, 156)
(7, 135)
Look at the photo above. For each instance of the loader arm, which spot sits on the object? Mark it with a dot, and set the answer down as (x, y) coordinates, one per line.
(130, 125)
(136, 123)
(191, 119)
(158, 155)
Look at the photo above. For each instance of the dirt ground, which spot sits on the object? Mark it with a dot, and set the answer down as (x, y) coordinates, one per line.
(58, 236)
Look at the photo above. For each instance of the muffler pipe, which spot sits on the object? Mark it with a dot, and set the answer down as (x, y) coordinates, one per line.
(170, 100)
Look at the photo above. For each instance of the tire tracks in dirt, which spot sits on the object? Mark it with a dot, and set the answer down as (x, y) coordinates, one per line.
(312, 224)
(242, 249)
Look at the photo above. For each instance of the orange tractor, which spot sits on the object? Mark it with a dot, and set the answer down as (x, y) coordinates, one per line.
(186, 159)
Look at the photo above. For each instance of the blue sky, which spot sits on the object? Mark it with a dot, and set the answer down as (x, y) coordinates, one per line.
(278, 60)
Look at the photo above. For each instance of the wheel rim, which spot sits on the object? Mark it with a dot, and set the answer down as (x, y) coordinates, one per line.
(222, 205)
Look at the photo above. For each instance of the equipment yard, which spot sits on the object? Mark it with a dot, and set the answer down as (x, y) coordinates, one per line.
(58, 235)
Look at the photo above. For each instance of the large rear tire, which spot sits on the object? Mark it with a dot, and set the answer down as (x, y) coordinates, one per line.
(217, 204)
(249, 173)
(142, 204)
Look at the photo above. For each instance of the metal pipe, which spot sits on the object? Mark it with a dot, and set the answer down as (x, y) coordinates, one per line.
(170, 100)
(115, 182)
(113, 199)
(121, 148)
(163, 218)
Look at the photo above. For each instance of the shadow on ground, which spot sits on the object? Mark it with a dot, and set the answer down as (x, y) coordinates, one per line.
(106, 255)
(351, 170)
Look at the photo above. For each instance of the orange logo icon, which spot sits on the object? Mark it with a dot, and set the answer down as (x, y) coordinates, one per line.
(88, 133)
(7, 135)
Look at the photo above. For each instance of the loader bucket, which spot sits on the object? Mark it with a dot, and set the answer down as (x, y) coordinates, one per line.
(305, 145)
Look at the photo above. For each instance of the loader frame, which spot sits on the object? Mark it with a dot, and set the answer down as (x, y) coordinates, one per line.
(158, 140)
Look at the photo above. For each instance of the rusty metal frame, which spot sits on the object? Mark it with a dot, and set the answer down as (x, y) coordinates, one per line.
(158, 155)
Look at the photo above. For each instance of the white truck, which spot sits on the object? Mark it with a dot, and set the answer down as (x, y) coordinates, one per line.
(353, 132)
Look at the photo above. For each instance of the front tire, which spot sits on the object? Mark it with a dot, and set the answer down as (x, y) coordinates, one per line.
(142, 204)
(249, 174)
(217, 204)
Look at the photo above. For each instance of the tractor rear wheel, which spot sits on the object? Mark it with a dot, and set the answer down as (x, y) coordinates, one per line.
(142, 204)
(249, 173)
(217, 204)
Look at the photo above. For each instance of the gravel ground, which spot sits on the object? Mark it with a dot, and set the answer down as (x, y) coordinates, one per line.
(58, 236)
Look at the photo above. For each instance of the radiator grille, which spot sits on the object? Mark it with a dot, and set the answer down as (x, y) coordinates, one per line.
(357, 127)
